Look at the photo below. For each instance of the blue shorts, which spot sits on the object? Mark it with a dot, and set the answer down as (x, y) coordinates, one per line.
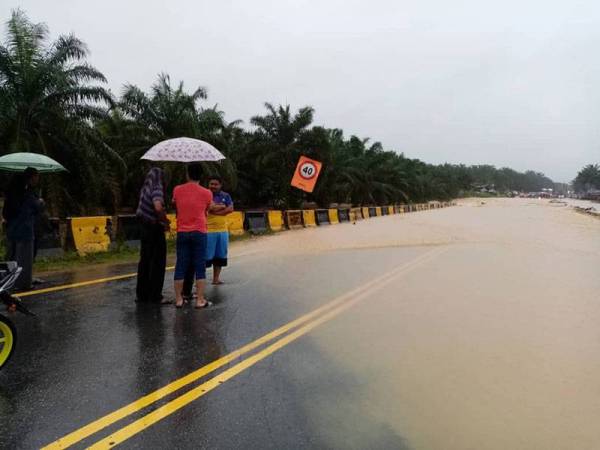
(216, 249)
(191, 250)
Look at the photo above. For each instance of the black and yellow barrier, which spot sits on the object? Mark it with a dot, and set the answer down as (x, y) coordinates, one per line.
(309, 218)
(275, 220)
(91, 234)
(384, 211)
(334, 216)
(343, 214)
(293, 219)
(235, 223)
(365, 212)
(372, 211)
(50, 242)
(128, 229)
(322, 217)
(255, 221)
(355, 214)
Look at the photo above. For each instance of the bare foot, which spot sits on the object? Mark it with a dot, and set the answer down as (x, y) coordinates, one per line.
(203, 303)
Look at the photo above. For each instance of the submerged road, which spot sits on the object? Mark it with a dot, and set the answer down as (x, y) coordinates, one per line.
(464, 328)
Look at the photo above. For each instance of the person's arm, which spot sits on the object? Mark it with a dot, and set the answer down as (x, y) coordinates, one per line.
(227, 207)
(161, 212)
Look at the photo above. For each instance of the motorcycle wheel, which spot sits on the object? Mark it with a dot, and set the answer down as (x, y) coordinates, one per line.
(8, 339)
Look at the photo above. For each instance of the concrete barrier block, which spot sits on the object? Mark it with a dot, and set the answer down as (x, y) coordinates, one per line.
(373, 211)
(127, 230)
(355, 214)
(343, 215)
(256, 221)
(322, 216)
(365, 212)
(91, 234)
(309, 218)
(172, 232)
(51, 242)
(235, 223)
(275, 220)
(334, 216)
(293, 219)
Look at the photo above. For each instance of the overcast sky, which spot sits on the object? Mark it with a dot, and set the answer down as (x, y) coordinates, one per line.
(511, 83)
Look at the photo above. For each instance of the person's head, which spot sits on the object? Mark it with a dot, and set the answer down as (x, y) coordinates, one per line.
(155, 179)
(194, 172)
(215, 184)
(31, 176)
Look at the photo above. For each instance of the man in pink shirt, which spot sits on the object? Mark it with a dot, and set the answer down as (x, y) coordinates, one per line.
(192, 203)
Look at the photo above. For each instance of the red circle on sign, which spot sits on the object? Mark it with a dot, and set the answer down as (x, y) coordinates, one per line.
(307, 170)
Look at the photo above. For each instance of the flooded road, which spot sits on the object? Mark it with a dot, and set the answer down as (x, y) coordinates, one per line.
(474, 327)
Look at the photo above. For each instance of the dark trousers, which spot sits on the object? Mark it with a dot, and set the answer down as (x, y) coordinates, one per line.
(21, 251)
(153, 261)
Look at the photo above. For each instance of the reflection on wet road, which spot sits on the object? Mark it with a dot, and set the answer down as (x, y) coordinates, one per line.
(472, 343)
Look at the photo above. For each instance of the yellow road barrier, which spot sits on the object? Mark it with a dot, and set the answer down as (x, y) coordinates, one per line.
(333, 216)
(172, 233)
(235, 223)
(90, 234)
(275, 220)
(390, 210)
(308, 215)
(378, 212)
(355, 214)
(365, 212)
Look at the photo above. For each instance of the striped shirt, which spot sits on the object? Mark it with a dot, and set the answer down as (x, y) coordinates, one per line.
(151, 192)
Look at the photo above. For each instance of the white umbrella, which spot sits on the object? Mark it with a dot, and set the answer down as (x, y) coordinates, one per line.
(183, 149)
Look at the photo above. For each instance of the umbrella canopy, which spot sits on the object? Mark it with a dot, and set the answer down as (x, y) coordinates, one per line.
(183, 149)
(18, 162)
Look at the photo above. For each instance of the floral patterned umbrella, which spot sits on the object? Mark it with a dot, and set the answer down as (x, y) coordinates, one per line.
(183, 149)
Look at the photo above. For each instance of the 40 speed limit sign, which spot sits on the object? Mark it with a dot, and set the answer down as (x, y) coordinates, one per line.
(306, 174)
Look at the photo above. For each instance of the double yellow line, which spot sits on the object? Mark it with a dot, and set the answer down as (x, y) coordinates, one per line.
(295, 329)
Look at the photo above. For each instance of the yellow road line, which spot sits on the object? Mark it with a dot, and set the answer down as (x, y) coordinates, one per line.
(80, 284)
(174, 405)
(96, 281)
(109, 419)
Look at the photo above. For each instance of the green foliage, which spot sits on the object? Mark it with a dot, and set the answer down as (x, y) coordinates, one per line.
(49, 95)
(587, 179)
(52, 102)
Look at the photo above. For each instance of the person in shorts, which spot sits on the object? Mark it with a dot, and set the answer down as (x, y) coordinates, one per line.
(217, 239)
(192, 203)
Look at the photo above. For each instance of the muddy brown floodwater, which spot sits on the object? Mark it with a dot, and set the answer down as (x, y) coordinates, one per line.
(494, 345)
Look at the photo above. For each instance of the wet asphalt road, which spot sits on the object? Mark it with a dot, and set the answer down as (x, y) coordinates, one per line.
(91, 350)
(483, 336)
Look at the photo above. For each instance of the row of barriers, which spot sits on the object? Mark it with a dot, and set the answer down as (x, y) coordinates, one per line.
(100, 233)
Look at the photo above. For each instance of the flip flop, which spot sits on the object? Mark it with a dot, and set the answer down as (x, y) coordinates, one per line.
(206, 305)
(218, 283)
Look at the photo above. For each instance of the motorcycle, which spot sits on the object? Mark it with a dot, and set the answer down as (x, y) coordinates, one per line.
(9, 273)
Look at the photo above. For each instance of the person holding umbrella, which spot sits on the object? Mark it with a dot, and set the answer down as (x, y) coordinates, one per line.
(192, 203)
(21, 208)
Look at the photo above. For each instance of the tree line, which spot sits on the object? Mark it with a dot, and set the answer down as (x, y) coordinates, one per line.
(587, 179)
(53, 101)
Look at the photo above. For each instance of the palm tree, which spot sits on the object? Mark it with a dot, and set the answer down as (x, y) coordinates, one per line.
(144, 119)
(49, 95)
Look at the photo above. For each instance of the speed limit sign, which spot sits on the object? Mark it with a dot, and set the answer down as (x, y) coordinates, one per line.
(308, 170)
(306, 174)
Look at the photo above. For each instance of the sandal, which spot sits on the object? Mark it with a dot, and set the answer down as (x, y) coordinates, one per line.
(206, 304)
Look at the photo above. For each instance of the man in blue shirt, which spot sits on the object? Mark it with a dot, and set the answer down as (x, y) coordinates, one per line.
(218, 229)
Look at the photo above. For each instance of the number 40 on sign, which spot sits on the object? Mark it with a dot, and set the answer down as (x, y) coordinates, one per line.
(306, 174)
